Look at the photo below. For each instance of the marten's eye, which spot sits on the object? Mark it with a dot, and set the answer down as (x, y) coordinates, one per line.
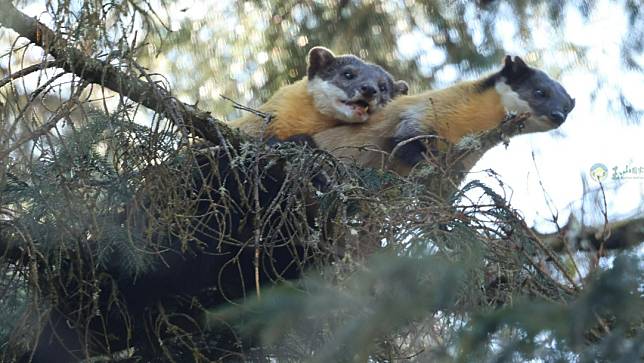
(383, 88)
(349, 75)
(539, 93)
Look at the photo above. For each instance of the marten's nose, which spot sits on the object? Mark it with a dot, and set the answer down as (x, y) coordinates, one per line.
(558, 116)
(367, 91)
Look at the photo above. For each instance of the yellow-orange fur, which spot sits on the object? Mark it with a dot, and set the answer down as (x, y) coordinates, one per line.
(449, 113)
(293, 111)
(452, 112)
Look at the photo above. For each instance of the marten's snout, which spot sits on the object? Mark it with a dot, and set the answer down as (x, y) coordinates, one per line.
(558, 116)
(368, 91)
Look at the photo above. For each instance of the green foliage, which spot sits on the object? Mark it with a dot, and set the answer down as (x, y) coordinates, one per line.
(74, 192)
(13, 305)
(433, 307)
(368, 308)
(603, 324)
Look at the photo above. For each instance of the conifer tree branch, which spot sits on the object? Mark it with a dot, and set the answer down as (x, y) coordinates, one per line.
(199, 123)
(612, 236)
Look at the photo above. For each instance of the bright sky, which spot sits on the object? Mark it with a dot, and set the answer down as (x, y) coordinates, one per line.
(593, 133)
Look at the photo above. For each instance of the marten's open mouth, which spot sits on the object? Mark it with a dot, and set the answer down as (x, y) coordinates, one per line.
(360, 106)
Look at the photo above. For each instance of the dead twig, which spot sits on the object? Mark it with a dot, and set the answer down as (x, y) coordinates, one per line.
(28, 70)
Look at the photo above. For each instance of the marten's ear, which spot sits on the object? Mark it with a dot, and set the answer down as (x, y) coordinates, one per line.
(400, 88)
(514, 68)
(320, 58)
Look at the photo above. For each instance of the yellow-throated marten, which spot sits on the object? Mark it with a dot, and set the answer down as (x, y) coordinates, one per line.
(337, 90)
(449, 114)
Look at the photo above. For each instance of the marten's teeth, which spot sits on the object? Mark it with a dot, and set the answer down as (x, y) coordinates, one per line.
(366, 108)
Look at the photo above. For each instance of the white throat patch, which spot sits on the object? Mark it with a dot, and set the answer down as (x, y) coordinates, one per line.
(328, 98)
(513, 103)
(510, 99)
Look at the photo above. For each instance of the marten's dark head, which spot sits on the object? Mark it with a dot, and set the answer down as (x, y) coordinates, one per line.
(347, 88)
(525, 89)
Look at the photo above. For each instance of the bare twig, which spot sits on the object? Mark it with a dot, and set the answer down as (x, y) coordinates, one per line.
(28, 70)
(60, 114)
(403, 143)
(239, 106)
